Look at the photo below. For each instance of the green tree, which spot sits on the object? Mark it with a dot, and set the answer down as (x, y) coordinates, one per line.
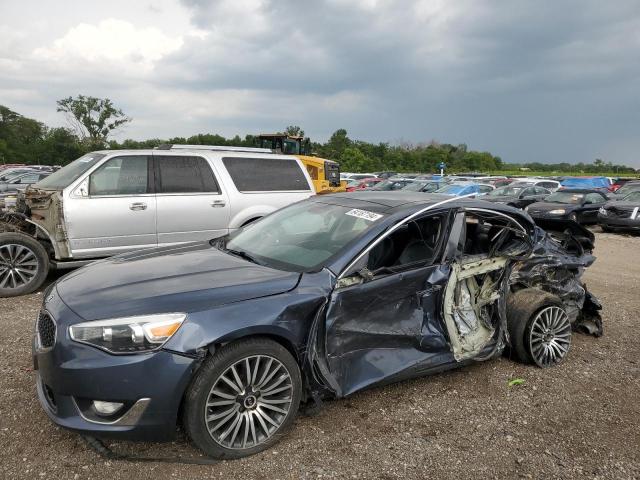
(93, 119)
(294, 131)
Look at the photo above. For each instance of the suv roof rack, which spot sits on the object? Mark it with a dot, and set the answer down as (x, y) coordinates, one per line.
(220, 148)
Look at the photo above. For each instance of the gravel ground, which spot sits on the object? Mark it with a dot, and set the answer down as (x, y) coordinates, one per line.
(581, 419)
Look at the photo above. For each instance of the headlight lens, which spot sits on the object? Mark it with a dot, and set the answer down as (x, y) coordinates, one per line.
(128, 334)
(602, 211)
(560, 211)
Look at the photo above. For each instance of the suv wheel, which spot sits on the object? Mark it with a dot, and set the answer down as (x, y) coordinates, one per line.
(539, 328)
(24, 264)
(243, 399)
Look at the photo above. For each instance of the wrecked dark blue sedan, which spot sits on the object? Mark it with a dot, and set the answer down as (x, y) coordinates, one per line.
(319, 300)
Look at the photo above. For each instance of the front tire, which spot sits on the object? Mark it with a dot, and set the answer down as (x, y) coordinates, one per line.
(539, 328)
(24, 264)
(243, 399)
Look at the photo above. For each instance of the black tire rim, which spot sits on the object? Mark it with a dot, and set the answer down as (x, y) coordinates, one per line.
(550, 336)
(18, 266)
(249, 402)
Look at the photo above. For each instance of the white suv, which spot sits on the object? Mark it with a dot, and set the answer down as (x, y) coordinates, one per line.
(115, 201)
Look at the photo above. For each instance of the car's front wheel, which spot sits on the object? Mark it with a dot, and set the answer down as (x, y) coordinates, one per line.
(24, 264)
(243, 399)
(539, 328)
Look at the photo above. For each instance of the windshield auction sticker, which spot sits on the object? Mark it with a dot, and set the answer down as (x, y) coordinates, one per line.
(370, 216)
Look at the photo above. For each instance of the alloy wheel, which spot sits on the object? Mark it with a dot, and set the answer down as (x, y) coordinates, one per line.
(18, 265)
(249, 402)
(550, 336)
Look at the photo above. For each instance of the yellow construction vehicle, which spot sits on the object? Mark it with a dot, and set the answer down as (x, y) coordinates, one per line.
(324, 173)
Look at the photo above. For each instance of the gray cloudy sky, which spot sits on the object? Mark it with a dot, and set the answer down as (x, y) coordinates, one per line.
(542, 80)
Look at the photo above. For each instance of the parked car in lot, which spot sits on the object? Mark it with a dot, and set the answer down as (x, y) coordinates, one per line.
(321, 299)
(460, 189)
(577, 205)
(626, 189)
(425, 186)
(112, 202)
(21, 181)
(551, 185)
(518, 196)
(353, 185)
(602, 184)
(393, 183)
(621, 214)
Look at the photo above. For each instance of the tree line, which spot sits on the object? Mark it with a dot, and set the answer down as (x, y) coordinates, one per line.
(93, 121)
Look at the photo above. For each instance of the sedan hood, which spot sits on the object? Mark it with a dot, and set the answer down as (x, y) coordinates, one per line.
(184, 278)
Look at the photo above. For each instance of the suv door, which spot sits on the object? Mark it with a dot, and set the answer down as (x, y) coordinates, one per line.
(191, 203)
(113, 210)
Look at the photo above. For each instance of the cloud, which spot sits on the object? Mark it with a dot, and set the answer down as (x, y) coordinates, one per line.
(111, 42)
(550, 81)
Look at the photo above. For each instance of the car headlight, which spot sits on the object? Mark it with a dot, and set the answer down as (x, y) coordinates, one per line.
(602, 211)
(560, 211)
(526, 209)
(128, 334)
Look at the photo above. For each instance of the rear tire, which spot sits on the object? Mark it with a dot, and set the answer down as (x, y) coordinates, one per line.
(24, 264)
(539, 328)
(243, 399)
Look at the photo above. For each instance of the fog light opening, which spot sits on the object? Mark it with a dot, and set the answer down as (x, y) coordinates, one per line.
(106, 408)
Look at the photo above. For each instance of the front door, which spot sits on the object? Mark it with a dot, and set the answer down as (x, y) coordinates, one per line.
(191, 202)
(382, 322)
(116, 210)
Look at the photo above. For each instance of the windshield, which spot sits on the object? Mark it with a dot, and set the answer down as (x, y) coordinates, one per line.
(628, 188)
(301, 237)
(565, 197)
(506, 191)
(452, 189)
(391, 185)
(632, 197)
(69, 174)
(11, 175)
(427, 187)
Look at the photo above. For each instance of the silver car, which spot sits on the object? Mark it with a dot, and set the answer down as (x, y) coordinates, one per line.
(115, 201)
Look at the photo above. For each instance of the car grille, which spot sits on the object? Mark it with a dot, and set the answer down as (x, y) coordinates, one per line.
(46, 330)
(620, 212)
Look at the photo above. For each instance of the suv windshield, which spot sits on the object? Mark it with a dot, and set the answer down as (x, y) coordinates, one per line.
(565, 197)
(69, 174)
(301, 237)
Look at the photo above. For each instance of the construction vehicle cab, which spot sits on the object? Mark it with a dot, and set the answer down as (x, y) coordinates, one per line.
(325, 174)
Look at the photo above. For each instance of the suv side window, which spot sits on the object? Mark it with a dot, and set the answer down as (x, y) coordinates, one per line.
(266, 174)
(542, 191)
(527, 192)
(548, 184)
(127, 175)
(177, 174)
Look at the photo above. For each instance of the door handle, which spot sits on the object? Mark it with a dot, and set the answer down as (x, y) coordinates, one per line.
(138, 206)
(218, 203)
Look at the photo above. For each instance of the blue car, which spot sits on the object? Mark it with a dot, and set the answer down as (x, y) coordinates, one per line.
(316, 301)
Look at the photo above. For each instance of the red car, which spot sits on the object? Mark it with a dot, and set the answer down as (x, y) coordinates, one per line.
(363, 184)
